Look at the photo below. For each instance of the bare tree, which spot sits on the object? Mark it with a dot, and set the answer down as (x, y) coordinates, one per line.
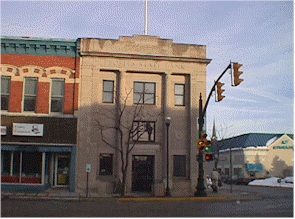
(129, 123)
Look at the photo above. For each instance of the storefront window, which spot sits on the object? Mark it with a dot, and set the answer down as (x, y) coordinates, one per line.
(5, 165)
(21, 167)
(31, 167)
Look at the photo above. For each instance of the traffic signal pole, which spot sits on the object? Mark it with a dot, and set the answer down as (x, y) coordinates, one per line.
(201, 186)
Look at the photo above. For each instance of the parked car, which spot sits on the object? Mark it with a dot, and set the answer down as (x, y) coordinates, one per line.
(236, 180)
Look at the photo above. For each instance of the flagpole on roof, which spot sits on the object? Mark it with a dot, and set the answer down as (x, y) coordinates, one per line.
(146, 17)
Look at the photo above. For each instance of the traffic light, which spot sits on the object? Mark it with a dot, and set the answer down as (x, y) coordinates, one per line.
(219, 91)
(237, 74)
(208, 146)
(201, 143)
(208, 157)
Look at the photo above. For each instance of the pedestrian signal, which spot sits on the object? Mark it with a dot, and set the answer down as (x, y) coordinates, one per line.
(208, 157)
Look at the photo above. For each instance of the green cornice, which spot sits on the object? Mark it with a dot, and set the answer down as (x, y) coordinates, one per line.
(40, 46)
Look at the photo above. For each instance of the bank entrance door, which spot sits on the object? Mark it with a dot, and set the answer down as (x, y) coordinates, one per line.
(142, 173)
(62, 170)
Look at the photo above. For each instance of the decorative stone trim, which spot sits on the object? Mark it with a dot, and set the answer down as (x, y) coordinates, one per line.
(44, 74)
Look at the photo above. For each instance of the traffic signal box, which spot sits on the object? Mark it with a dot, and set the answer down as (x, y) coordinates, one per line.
(219, 91)
(237, 74)
(205, 145)
(208, 154)
(208, 157)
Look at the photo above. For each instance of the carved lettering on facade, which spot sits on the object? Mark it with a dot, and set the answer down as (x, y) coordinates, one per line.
(137, 64)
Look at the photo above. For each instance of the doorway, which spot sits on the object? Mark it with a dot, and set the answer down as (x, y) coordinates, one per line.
(142, 173)
(62, 170)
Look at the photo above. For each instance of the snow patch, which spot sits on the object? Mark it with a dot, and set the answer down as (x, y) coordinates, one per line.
(270, 141)
(273, 182)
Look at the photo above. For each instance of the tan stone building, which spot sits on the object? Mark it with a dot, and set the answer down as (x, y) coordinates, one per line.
(159, 78)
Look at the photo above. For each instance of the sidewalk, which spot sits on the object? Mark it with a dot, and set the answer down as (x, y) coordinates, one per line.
(222, 195)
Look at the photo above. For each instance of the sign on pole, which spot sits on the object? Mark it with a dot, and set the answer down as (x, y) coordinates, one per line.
(88, 168)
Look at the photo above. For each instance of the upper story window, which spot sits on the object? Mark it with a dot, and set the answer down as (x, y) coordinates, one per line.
(144, 92)
(108, 91)
(5, 91)
(57, 95)
(30, 94)
(179, 95)
(143, 131)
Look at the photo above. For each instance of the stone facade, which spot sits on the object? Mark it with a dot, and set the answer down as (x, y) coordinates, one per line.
(149, 61)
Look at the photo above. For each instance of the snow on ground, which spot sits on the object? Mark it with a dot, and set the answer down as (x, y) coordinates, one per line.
(273, 181)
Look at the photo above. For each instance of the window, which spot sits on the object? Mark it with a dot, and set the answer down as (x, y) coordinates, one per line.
(57, 95)
(5, 91)
(106, 165)
(179, 165)
(238, 171)
(144, 92)
(108, 91)
(21, 167)
(143, 131)
(30, 94)
(226, 171)
(179, 94)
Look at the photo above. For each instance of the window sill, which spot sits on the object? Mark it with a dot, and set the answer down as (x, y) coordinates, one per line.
(144, 142)
(105, 178)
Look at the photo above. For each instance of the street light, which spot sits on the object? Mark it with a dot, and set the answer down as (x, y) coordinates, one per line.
(168, 120)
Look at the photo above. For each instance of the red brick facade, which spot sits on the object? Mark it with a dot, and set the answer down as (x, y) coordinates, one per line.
(16, 93)
(43, 97)
(59, 67)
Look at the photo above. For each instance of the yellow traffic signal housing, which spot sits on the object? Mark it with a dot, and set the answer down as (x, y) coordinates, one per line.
(203, 136)
(237, 74)
(220, 91)
(201, 144)
(202, 140)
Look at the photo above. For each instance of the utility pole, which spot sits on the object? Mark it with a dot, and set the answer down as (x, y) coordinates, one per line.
(201, 186)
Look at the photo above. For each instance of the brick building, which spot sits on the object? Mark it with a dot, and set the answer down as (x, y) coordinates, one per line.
(39, 97)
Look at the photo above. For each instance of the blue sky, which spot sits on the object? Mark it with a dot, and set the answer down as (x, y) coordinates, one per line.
(257, 34)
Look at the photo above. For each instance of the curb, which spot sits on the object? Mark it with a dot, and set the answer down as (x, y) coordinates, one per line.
(245, 196)
(172, 199)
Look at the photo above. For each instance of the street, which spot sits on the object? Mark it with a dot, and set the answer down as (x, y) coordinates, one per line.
(275, 202)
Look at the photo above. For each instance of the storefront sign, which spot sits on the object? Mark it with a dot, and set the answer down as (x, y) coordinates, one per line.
(254, 167)
(283, 147)
(3, 130)
(25, 129)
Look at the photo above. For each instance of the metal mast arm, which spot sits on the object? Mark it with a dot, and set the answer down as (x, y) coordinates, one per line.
(213, 88)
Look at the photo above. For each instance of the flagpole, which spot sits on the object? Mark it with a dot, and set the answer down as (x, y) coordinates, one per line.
(146, 17)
